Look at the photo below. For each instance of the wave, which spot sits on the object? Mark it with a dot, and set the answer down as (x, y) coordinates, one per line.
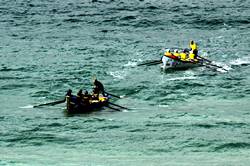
(130, 63)
(182, 78)
(232, 145)
(241, 61)
(118, 74)
(27, 106)
(16, 86)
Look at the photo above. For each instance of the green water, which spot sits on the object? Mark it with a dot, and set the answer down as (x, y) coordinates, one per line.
(197, 117)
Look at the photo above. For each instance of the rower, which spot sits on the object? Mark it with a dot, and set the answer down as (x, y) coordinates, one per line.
(176, 53)
(69, 94)
(192, 56)
(165, 59)
(168, 53)
(79, 96)
(193, 47)
(183, 55)
(86, 97)
(98, 88)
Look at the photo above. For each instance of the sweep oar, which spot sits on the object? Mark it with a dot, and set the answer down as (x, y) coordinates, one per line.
(112, 108)
(204, 59)
(149, 63)
(118, 106)
(51, 103)
(155, 63)
(217, 66)
(211, 64)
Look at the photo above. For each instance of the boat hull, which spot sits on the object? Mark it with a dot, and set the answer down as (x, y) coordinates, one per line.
(175, 63)
(75, 106)
(180, 65)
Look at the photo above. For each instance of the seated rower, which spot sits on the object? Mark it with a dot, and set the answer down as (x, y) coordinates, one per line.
(168, 53)
(192, 57)
(86, 97)
(176, 53)
(69, 93)
(165, 59)
(79, 94)
(79, 97)
(70, 96)
(183, 55)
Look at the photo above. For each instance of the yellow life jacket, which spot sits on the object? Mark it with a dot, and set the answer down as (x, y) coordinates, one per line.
(193, 46)
(176, 54)
(102, 99)
(191, 56)
(168, 54)
(183, 56)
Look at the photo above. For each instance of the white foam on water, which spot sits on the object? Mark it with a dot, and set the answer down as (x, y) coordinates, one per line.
(118, 74)
(163, 106)
(27, 106)
(182, 78)
(122, 96)
(130, 63)
(224, 67)
(240, 61)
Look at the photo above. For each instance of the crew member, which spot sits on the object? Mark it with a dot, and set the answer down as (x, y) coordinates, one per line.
(192, 56)
(183, 55)
(193, 47)
(176, 53)
(86, 97)
(168, 53)
(98, 88)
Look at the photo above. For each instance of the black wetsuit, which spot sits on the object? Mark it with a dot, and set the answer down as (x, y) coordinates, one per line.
(99, 88)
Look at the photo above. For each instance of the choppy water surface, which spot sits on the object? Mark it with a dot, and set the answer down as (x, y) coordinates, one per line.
(193, 117)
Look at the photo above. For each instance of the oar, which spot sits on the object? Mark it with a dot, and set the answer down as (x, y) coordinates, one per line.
(119, 97)
(204, 59)
(118, 106)
(155, 63)
(217, 66)
(112, 108)
(146, 63)
(210, 63)
(51, 103)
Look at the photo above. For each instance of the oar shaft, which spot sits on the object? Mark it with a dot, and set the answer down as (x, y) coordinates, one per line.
(204, 59)
(112, 95)
(155, 63)
(218, 66)
(147, 63)
(51, 103)
(112, 108)
(117, 105)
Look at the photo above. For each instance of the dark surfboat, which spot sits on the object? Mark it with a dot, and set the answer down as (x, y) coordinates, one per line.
(76, 105)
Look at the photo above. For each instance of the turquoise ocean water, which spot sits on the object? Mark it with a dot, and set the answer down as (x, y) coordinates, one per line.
(197, 117)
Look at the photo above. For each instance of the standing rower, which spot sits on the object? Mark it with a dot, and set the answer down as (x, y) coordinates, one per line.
(193, 47)
(98, 88)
